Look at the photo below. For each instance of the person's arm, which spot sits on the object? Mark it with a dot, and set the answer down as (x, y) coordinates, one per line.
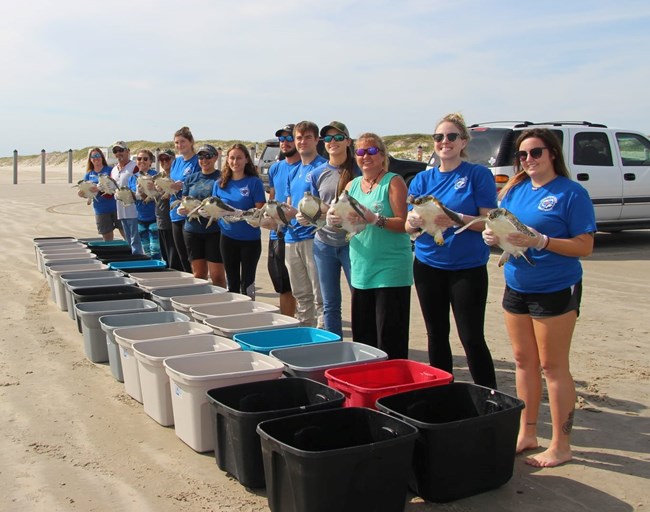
(576, 247)
(397, 197)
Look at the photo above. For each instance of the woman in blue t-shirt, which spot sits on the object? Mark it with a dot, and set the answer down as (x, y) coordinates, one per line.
(541, 303)
(241, 245)
(147, 226)
(455, 273)
(103, 204)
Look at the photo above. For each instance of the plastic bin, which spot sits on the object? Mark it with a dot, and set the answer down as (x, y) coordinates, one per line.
(311, 361)
(57, 250)
(184, 304)
(93, 244)
(238, 410)
(227, 308)
(192, 376)
(467, 442)
(159, 274)
(94, 337)
(73, 285)
(73, 259)
(53, 271)
(120, 292)
(154, 381)
(343, 460)
(59, 281)
(111, 322)
(173, 282)
(44, 240)
(109, 249)
(163, 296)
(265, 341)
(135, 265)
(125, 337)
(363, 384)
(230, 325)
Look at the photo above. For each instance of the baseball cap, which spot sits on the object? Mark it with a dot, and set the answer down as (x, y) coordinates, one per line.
(208, 149)
(336, 125)
(287, 128)
(169, 152)
(119, 144)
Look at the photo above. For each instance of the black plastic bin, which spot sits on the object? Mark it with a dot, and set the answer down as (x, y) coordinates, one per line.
(125, 256)
(340, 460)
(111, 251)
(468, 437)
(238, 410)
(127, 291)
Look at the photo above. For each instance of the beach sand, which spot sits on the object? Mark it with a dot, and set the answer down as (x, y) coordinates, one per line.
(72, 439)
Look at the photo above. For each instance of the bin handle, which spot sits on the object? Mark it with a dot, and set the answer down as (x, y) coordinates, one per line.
(322, 397)
(390, 431)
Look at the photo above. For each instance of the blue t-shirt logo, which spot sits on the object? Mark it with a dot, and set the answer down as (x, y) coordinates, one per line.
(308, 177)
(461, 183)
(187, 171)
(244, 191)
(547, 204)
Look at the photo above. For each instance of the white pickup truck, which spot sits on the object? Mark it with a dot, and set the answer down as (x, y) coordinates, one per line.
(612, 164)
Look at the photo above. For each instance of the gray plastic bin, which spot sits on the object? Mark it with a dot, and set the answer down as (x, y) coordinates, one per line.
(89, 314)
(111, 322)
(311, 361)
(163, 296)
(73, 285)
(60, 280)
(50, 269)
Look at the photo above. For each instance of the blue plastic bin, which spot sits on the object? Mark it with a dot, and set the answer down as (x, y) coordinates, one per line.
(137, 265)
(265, 341)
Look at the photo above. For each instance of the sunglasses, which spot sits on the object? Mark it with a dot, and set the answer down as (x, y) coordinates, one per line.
(141, 158)
(205, 157)
(451, 137)
(95, 155)
(535, 153)
(339, 137)
(118, 150)
(372, 150)
(285, 138)
(164, 159)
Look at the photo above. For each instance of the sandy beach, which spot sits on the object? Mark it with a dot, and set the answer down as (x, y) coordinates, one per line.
(73, 440)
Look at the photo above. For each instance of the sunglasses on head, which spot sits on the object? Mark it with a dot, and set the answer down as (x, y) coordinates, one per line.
(118, 150)
(339, 137)
(535, 153)
(451, 137)
(372, 150)
(140, 158)
(285, 138)
(95, 155)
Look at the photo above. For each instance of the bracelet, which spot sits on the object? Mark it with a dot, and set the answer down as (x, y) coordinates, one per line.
(381, 221)
(548, 241)
(542, 243)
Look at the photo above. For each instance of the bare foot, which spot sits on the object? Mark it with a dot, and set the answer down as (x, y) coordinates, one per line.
(549, 458)
(525, 443)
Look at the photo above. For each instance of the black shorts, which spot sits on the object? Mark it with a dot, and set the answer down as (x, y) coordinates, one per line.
(543, 305)
(203, 246)
(277, 268)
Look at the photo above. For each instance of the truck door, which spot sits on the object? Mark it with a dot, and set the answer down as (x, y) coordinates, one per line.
(594, 167)
(634, 151)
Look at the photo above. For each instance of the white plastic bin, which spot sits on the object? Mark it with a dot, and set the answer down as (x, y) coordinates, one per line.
(109, 323)
(184, 303)
(125, 337)
(201, 311)
(59, 250)
(173, 282)
(230, 325)
(58, 281)
(311, 361)
(192, 376)
(74, 284)
(89, 314)
(51, 269)
(154, 381)
(232, 308)
(160, 274)
(163, 296)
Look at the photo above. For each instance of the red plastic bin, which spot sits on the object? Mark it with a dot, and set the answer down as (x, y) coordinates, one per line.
(363, 384)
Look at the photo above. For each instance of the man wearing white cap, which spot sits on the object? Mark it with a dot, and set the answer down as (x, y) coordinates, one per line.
(127, 215)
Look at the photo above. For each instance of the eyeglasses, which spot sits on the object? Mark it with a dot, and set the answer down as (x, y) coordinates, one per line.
(205, 157)
(372, 150)
(451, 137)
(285, 138)
(164, 159)
(535, 153)
(339, 137)
(140, 158)
(96, 155)
(118, 150)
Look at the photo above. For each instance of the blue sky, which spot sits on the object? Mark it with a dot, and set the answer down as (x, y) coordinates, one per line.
(81, 73)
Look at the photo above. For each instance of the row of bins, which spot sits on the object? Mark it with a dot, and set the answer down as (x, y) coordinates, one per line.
(367, 429)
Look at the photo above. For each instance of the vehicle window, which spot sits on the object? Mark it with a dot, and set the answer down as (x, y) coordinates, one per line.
(592, 148)
(634, 149)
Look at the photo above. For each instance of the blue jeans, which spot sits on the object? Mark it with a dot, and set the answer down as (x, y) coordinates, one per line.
(130, 227)
(329, 262)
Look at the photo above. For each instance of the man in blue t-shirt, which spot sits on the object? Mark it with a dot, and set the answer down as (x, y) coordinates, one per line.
(299, 251)
(278, 190)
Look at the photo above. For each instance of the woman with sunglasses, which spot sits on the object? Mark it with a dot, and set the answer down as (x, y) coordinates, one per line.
(541, 303)
(241, 244)
(380, 255)
(455, 273)
(165, 236)
(184, 165)
(147, 226)
(331, 250)
(201, 240)
(103, 204)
